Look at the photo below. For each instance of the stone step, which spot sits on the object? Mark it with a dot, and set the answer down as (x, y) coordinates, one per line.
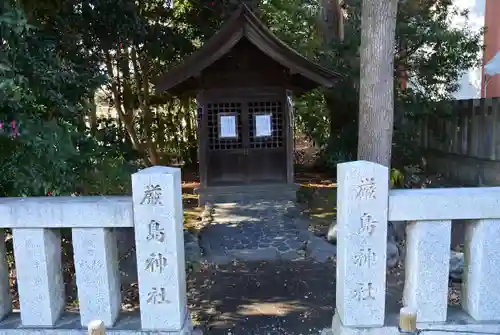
(221, 194)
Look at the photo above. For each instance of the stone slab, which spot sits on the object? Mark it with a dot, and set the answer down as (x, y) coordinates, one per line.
(221, 194)
(427, 269)
(219, 259)
(39, 275)
(97, 274)
(458, 324)
(444, 203)
(481, 283)
(67, 212)
(159, 240)
(362, 197)
(320, 250)
(291, 255)
(69, 324)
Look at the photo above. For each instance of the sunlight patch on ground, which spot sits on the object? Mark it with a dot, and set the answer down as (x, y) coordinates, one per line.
(324, 215)
(322, 184)
(319, 203)
(271, 309)
(192, 213)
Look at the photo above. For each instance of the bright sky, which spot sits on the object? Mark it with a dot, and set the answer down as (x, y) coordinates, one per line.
(471, 83)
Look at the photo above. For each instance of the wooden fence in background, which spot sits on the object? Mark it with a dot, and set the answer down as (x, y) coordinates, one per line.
(472, 131)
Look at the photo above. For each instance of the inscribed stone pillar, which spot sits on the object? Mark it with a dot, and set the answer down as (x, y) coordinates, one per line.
(481, 285)
(159, 239)
(97, 274)
(362, 201)
(39, 275)
(5, 298)
(427, 269)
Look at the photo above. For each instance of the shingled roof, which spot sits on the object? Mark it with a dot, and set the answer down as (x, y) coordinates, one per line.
(244, 24)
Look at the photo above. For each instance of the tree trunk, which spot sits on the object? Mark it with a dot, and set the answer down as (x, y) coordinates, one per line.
(125, 113)
(331, 21)
(93, 115)
(376, 95)
(331, 27)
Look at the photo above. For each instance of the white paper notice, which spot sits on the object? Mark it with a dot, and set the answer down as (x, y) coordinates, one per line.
(263, 125)
(227, 126)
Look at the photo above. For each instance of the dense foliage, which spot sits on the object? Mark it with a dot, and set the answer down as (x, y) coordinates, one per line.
(65, 63)
(43, 99)
(431, 56)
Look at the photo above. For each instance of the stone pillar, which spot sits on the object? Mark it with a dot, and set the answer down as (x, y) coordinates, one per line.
(362, 202)
(427, 269)
(5, 298)
(159, 238)
(481, 285)
(39, 275)
(97, 275)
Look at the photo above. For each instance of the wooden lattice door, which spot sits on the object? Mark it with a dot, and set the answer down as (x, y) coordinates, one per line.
(225, 147)
(266, 141)
(245, 142)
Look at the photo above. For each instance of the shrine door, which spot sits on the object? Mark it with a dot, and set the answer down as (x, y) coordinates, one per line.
(246, 142)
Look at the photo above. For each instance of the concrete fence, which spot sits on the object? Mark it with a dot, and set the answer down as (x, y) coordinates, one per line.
(154, 211)
(365, 204)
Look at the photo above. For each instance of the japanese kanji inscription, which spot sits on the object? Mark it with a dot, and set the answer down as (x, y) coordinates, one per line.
(157, 295)
(368, 224)
(156, 262)
(152, 195)
(155, 232)
(366, 189)
(364, 291)
(365, 258)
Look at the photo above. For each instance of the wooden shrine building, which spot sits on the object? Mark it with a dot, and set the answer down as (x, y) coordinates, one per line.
(243, 78)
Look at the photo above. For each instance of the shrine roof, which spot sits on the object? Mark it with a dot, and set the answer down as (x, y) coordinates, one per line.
(244, 24)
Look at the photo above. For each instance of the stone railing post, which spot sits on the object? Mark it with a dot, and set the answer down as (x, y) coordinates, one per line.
(97, 274)
(159, 238)
(427, 266)
(39, 275)
(5, 298)
(480, 290)
(362, 206)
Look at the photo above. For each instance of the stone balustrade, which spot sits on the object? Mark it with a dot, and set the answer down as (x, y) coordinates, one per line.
(365, 205)
(156, 214)
(430, 213)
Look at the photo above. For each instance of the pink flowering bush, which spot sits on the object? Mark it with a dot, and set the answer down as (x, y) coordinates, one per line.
(11, 129)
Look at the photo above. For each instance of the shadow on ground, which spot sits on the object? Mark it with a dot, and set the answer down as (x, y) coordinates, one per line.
(269, 297)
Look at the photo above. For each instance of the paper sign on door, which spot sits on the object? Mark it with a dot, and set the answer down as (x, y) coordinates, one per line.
(263, 125)
(227, 124)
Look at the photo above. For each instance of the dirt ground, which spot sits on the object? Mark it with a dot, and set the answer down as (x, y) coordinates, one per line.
(263, 298)
(289, 298)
